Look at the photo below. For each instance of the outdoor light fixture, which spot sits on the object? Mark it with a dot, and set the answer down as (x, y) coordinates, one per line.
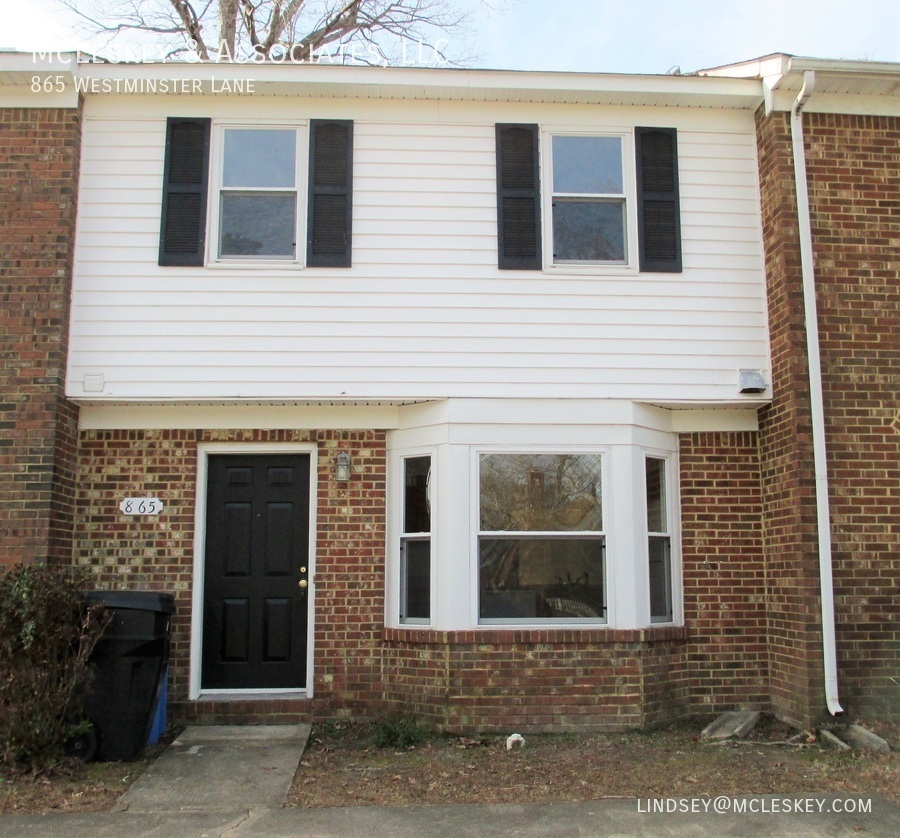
(342, 467)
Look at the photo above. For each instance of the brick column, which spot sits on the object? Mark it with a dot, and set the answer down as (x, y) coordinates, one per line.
(39, 156)
(853, 167)
(790, 542)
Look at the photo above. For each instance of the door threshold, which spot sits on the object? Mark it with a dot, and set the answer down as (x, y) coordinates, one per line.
(251, 695)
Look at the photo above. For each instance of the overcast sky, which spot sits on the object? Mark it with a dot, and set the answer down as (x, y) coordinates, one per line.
(612, 36)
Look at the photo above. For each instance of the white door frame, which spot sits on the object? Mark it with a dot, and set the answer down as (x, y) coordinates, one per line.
(204, 450)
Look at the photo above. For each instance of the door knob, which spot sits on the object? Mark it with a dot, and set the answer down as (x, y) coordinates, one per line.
(302, 583)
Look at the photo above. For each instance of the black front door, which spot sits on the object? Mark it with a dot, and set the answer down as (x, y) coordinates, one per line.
(255, 601)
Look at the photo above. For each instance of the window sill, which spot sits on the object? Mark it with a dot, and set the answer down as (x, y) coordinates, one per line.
(414, 635)
(256, 265)
(592, 270)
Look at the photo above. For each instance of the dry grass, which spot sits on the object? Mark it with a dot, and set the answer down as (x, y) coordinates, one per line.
(74, 786)
(342, 767)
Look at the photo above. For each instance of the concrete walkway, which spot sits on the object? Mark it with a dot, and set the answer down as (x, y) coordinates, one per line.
(209, 769)
(232, 782)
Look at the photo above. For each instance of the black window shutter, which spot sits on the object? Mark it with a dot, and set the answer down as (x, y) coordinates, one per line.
(185, 181)
(329, 234)
(659, 215)
(518, 198)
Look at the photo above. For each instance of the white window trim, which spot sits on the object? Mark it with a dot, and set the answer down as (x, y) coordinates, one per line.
(395, 533)
(673, 516)
(216, 157)
(475, 527)
(629, 184)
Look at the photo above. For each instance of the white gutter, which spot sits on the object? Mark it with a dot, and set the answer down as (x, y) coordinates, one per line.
(817, 408)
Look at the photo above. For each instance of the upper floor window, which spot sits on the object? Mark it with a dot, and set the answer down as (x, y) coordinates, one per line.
(590, 182)
(258, 204)
(541, 542)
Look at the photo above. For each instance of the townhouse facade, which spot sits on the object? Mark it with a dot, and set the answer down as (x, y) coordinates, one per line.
(480, 396)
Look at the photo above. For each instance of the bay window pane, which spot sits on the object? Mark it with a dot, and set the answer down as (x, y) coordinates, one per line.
(541, 578)
(416, 507)
(656, 495)
(415, 571)
(258, 224)
(660, 579)
(541, 492)
(588, 231)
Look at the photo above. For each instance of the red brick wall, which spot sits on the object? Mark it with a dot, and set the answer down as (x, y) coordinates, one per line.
(464, 681)
(535, 680)
(788, 484)
(156, 553)
(39, 155)
(723, 571)
(853, 167)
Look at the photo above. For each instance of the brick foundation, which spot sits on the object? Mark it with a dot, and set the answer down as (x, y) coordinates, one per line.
(38, 427)
(534, 680)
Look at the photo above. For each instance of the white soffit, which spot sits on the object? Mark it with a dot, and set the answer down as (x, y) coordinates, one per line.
(841, 86)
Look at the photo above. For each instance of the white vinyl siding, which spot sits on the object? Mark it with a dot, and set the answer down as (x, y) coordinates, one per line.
(424, 312)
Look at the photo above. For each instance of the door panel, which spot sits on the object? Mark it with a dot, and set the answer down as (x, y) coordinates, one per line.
(257, 553)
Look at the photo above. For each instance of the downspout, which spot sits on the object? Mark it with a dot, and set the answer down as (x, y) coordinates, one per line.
(817, 407)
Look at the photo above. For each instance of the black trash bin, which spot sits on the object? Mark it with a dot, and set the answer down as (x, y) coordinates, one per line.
(129, 663)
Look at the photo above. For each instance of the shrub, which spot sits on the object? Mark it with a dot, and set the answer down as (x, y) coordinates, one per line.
(47, 633)
(398, 732)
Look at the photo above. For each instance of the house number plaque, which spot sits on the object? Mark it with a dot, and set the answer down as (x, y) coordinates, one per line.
(141, 506)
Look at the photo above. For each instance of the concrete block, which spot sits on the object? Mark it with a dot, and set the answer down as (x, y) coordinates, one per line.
(864, 740)
(829, 740)
(733, 724)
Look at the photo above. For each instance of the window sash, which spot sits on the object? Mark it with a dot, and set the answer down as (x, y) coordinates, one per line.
(268, 245)
(415, 579)
(518, 582)
(660, 567)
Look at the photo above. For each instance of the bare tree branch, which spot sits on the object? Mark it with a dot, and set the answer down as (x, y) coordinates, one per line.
(192, 27)
(230, 29)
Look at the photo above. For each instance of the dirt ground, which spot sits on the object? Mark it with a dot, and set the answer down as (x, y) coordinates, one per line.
(343, 767)
(74, 786)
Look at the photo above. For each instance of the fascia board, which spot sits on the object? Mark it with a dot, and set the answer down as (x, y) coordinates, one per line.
(425, 83)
